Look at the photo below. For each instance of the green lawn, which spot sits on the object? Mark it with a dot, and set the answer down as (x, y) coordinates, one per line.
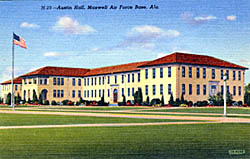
(141, 142)
(205, 110)
(36, 119)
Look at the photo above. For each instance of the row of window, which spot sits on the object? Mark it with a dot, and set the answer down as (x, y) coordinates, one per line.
(7, 87)
(60, 93)
(94, 93)
(161, 89)
(154, 72)
(213, 75)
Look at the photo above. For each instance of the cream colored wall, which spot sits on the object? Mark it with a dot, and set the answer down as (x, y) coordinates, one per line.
(201, 81)
(67, 88)
(157, 81)
(111, 86)
(6, 89)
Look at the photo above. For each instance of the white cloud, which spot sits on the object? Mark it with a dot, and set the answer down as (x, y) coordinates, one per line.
(68, 25)
(29, 25)
(172, 33)
(53, 54)
(231, 17)
(204, 18)
(245, 62)
(161, 54)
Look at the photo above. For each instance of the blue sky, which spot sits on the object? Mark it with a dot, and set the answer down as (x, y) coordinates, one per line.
(95, 38)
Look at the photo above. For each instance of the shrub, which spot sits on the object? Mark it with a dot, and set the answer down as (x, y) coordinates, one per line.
(155, 102)
(183, 105)
(123, 100)
(46, 102)
(171, 100)
(147, 101)
(162, 100)
(190, 103)
(65, 102)
(53, 102)
(240, 103)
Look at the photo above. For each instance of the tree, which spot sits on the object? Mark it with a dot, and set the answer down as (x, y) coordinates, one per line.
(34, 96)
(29, 101)
(247, 95)
(162, 100)
(81, 100)
(8, 100)
(148, 101)
(124, 100)
(40, 101)
(138, 96)
(182, 98)
(18, 100)
(171, 100)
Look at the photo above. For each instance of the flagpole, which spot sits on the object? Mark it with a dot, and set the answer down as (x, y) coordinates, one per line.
(12, 79)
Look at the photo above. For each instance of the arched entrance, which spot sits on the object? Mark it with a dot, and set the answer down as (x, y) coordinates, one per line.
(115, 95)
(44, 94)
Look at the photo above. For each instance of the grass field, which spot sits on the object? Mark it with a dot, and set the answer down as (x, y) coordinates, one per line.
(172, 141)
(205, 110)
(37, 119)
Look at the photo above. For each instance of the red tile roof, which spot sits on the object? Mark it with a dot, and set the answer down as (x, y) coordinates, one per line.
(58, 71)
(115, 69)
(17, 80)
(192, 59)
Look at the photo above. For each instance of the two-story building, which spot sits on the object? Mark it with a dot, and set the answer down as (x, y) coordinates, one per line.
(195, 76)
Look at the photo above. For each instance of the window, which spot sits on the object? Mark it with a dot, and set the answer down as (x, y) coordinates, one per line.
(85, 94)
(146, 73)
(204, 89)
(204, 72)
(169, 89)
(58, 81)
(139, 77)
(62, 93)
(169, 71)
(92, 81)
(54, 81)
(153, 72)
(122, 91)
(108, 93)
(183, 89)
(133, 77)
(227, 74)
(100, 80)
(73, 81)
(79, 82)
(198, 89)
(128, 91)
(15, 87)
(239, 75)
(108, 79)
(190, 72)
(85, 82)
(234, 76)
(228, 90)
(239, 90)
(73, 94)
(62, 81)
(133, 91)
(95, 80)
(161, 89)
(190, 89)
(88, 81)
(54, 93)
(92, 93)
(34, 81)
(221, 74)
(197, 72)
(122, 78)
(222, 89)
(88, 93)
(183, 72)
(128, 78)
(79, 93)
(41, 81)
(146, 90)
(58, 93)
(103, 80)
(161, 72)
(213, 73)
(153, 89)
(115, 79)
(95, 94)
(234, 90)
(100, 93)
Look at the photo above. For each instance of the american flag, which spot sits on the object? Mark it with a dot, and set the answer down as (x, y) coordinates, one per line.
(19, 41)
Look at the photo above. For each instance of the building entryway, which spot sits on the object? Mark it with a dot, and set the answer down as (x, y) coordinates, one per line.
(115, 96)
(44, 94)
